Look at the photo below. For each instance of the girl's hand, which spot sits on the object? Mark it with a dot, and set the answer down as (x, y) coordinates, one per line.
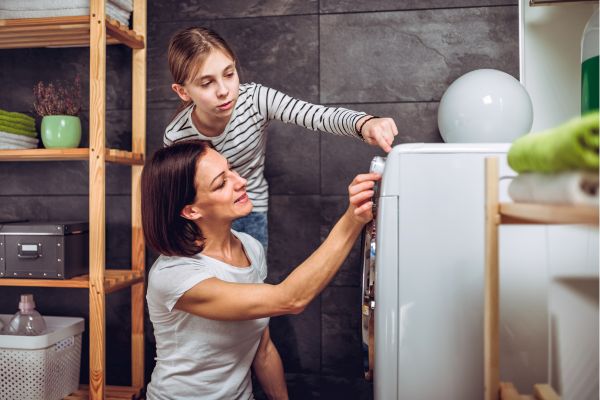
(378, 131)
(360, 193)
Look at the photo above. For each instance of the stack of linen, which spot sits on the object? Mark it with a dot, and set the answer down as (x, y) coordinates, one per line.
(17, 131)
(119, 10)
(557, 166)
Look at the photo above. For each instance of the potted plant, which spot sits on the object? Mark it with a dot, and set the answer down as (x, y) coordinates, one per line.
(59, 104)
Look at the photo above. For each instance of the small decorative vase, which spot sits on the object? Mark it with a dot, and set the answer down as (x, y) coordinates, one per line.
(61, 131)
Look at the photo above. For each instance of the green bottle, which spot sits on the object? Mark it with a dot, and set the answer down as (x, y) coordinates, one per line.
(589, 65)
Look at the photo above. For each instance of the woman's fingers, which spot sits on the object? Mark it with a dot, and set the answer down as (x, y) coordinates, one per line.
(365, 209)
(359, 187)
(372, 176)
(359, 198)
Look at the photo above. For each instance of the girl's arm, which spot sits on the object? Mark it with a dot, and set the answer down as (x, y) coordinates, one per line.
(337, 120)
(268, 368)
(220, 300)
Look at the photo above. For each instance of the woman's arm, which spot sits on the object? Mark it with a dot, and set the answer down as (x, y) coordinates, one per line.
(219, 300)
(269, 370)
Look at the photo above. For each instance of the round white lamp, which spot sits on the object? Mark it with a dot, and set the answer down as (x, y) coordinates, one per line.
(485, 105)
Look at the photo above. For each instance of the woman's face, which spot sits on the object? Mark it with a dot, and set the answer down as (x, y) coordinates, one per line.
(220, 192)
(215, 88)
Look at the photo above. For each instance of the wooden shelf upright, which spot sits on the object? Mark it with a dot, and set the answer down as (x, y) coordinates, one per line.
(496, 214)
(96, 31)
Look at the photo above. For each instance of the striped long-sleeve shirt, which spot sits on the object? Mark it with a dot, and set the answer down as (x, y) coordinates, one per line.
(243, 141)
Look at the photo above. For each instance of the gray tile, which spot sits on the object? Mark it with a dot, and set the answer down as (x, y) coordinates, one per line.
(281, 52)
(292, 160)
(59, 178)
(349, 274)
(62, 64)
(293, 233)
(157, 121)
(192, 10)
(412, 55)
(341, 313)
(342, 158)
(340, 6)
(303, 386)
(297, 339)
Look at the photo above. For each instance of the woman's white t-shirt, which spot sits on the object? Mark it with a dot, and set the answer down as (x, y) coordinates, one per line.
(199, 358)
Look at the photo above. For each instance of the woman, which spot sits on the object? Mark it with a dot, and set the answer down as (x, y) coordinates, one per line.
(206, 297)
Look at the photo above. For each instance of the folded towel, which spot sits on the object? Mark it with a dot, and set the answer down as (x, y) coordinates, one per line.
(17, 116)
(564, 188)
(7, 142)
(19, 123)
(17, 138)
(62, 12)
(16, 125)
(29, 5)
(12, 129)
(572, 145)
(10, 146)
(126, 5)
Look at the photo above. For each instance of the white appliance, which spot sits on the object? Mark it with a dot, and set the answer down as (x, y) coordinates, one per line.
(423, 270)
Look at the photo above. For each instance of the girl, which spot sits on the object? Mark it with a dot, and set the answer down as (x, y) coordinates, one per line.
(234, 117)
(207, 301)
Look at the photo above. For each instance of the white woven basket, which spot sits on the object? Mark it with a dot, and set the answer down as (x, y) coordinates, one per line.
(44, 367)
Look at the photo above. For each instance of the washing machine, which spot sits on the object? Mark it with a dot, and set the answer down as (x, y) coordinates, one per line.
(423, 274)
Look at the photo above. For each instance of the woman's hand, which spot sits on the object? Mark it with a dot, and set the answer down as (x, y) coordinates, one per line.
(378, 131)
(360, 192)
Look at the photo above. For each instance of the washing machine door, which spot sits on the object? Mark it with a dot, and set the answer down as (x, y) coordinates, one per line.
(368, 277)
(368, 299)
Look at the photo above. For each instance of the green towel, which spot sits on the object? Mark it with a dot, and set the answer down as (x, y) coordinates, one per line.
(21, 123)
(26, 119)
(18, 131)
(572, 145)
(14, 125)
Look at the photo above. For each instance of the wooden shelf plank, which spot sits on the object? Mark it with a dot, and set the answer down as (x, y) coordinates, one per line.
(112, 393)
(62, 32)
(78, 282)
(114, 280)
(523, 213)
(81, 154)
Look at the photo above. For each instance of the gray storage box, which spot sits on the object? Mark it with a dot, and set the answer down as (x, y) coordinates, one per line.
(52, 250)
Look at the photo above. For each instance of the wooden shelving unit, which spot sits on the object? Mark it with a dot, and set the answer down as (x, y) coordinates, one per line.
(96, 31)
(513, 213)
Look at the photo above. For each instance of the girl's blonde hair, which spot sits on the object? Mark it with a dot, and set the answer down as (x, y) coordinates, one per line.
(189, 48)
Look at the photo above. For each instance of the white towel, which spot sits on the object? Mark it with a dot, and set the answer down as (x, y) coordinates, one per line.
(18, 138)
(63, 12)
(7, 144)
(564, 188)
(15, 9)
(40, 5)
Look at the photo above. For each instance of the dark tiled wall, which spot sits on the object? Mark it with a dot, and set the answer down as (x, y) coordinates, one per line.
(383, 57)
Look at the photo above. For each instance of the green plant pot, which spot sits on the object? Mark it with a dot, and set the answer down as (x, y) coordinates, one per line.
(61, 131)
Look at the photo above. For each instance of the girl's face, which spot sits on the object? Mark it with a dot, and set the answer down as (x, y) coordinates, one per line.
(215, 88)
(220, 192)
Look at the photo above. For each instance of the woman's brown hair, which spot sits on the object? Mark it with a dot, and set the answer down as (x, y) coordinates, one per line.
(188, 50)
(168, 184)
